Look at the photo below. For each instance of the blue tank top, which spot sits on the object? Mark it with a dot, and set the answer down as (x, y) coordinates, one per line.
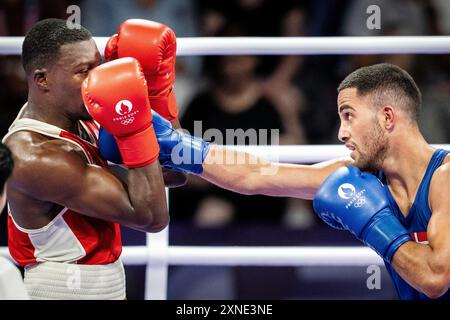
(416, 222)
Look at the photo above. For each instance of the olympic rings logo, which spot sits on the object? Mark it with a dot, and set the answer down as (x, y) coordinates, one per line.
(127, 121)
(360, 202)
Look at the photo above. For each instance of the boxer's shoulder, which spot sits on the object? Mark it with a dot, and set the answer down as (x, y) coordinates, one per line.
(28, 145)
(443, 171)
(446, 161)
(37, 156)
(44, 169)
(440, 184)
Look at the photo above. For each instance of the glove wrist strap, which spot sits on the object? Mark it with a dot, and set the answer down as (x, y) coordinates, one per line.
(139, 149)
(385, 234)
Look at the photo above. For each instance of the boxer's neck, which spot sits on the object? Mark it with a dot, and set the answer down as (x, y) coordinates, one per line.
(407, 162)
(51, 114)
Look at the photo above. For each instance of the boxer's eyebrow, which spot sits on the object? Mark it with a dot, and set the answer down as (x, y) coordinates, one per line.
(84, 63)
(80, 65)
(345, 107)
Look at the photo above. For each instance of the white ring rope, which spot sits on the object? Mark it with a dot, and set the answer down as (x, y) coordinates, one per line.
(303, 153)
(285, 45)
(250, 256)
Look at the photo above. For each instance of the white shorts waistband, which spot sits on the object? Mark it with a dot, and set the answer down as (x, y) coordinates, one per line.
(67, 281)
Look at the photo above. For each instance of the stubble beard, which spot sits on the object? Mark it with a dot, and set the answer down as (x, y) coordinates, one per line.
(376, 147)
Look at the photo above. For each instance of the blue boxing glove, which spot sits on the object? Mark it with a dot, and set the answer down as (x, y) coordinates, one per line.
(351, 200)
(177, 150)
(108, 147)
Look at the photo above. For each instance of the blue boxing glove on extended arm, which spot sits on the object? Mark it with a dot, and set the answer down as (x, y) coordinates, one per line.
(351, 200)
(178, 150)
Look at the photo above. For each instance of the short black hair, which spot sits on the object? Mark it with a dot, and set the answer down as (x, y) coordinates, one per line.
(389, 84)
(42, 43)
(6, 165)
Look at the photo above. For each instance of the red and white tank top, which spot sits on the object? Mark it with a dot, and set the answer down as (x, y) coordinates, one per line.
(70, 237)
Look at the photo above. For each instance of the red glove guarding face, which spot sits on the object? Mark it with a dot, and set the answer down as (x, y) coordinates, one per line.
(154, 45)
(115, 95)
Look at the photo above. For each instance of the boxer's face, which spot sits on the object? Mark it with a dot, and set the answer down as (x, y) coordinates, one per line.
(360, 130)
(67, 74)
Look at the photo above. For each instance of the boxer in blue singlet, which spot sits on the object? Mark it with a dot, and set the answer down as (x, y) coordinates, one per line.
(404, 217)
(416, 222)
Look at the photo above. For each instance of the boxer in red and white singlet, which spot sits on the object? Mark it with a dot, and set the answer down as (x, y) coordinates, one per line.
(69, 238)
(65, 204)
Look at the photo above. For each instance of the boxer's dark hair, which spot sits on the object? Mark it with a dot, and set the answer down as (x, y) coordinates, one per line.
(42, 43)
(389, 84)
(6, 165)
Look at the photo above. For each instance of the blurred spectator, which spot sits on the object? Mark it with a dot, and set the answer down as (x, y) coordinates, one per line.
(237, 98)
(401, 13)
(435, 114)
(411, 18)
(14, 90)
(442, 9)
(12, 17)
(266, 18)
(18, 16)
(290, 82)
(235, 101)
(103, 17)
(398, 18)
(434, 117)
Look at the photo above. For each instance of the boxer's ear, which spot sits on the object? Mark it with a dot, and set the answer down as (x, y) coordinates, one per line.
(389, 117)
(40, 78)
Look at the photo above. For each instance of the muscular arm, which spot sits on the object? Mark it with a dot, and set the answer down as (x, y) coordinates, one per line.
(252, 175)
(172, 179)
(59, 174)
(427, 267)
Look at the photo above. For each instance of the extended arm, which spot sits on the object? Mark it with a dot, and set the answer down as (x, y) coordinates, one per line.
(230, 169)
(257, 176)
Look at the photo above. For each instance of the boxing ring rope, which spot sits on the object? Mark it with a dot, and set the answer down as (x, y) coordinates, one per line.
(157, 255)
(248, 256)
(285, 45)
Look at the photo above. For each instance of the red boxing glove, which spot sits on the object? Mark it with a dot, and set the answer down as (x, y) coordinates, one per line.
(154, 45)
(115, 95)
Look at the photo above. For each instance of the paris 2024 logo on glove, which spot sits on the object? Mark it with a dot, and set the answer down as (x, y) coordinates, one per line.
(124, 108)
(351, 197)
(347, 191)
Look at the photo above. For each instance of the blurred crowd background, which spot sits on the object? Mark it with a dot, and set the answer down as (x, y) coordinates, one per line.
(294, 94)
